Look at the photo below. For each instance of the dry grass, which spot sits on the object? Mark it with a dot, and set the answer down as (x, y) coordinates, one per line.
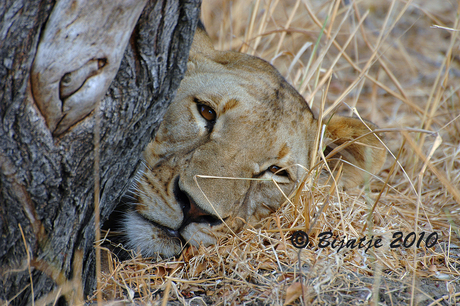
(399, 72)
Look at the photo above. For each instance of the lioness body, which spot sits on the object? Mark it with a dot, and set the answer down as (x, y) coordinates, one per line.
(234, 129)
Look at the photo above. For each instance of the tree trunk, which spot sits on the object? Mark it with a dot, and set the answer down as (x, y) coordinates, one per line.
(47, 178)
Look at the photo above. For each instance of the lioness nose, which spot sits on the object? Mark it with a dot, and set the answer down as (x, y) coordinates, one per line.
(193, 213)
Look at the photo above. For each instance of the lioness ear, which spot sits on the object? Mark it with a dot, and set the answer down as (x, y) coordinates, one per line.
(366, 152)
(201, 41)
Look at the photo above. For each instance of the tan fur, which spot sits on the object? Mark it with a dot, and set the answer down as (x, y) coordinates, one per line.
(261, 121)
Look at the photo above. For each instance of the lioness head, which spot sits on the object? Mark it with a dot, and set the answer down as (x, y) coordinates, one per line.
(228, 152)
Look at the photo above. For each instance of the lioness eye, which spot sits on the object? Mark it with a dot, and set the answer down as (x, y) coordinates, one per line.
(276, 170)
(206, 112)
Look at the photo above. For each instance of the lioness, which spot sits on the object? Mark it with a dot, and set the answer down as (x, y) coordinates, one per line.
(238, 122)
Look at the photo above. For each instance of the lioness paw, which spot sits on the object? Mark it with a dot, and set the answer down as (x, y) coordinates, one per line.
(354, 142)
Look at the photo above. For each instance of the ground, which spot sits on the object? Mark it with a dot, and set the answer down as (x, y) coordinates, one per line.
(401, 70)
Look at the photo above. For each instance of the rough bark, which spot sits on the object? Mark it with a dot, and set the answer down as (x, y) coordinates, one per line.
(46, 181)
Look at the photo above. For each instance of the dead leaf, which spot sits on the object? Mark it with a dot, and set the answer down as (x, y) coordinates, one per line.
(281, 246)
(197, 269)
(189, 253)
(293, 292)
(285, 276)
(267, 265)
